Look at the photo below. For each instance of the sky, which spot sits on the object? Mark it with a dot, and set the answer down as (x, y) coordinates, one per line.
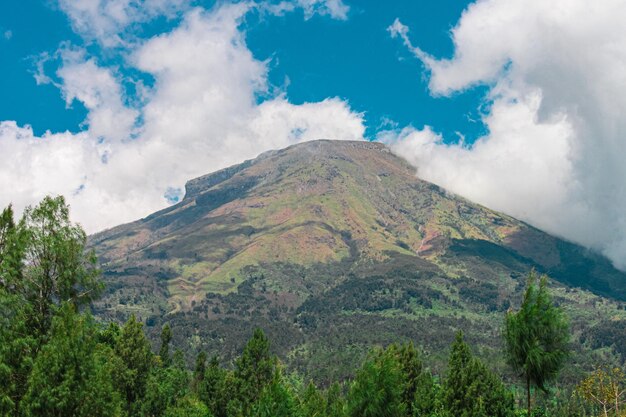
(516, 104)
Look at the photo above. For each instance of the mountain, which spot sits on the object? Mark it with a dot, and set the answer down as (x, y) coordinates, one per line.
(333, 246)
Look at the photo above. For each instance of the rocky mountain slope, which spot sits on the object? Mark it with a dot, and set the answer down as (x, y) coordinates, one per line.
(333, 246)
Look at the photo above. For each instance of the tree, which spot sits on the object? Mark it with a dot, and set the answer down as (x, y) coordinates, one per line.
(312, 402)
(198, 371)
(411, 368)
(255, 368)
(427, 400)
(537, 337)
(604, 387)
(57, 266)
(210, 385)
(276, 400)
(164, 387)
(133, 349)
(18, 346)
(164, 352)
(472, 390)
(188, 407)
(12, 248)
(378, 388)
(17, 351)
(335, 403)
(71, 376)
(43, 264)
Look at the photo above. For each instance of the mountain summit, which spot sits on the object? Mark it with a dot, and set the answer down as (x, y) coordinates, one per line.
(322, 233)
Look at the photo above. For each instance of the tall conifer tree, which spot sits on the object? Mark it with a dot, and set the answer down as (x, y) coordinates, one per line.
(537, 336)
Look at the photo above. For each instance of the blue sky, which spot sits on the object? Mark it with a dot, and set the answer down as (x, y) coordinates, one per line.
(373, 72)
(515, 104)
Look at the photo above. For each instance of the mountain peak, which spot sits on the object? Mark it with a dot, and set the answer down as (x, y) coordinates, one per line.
(320, 203)
(302, 152)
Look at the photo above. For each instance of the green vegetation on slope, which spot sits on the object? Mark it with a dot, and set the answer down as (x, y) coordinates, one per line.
(56, 360)
(337, 247)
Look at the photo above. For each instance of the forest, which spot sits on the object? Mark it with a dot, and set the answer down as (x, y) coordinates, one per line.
(57, 359)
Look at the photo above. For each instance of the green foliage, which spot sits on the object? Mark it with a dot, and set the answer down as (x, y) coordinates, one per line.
(313, 403)
(188, 407)
(255, 369)
(43, 264)
(411, 369)
(335, 403)
(57, 266)
(537, 336)
(211, 388)
(276, 400)
(57, 361)
(133, 349)
(17, 351)
(472, 390)
(605, 388)
(377, 390)
(163, 387)
(199, 371)
(164, 352)
(71, 376)
(428, 397)
(12, 248)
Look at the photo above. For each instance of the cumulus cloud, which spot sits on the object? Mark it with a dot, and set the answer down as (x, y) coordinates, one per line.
(204, 112)
(334, 8)
(98, 89)
(110, 22)
(556, 147)
(106, 21)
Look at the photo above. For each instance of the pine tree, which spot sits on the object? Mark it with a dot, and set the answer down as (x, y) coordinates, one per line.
(164, 351)
(164, 387)
(411, 368)
(471, 390)
(537, 337)
(70, 376)
(215, 388)
(335, 403)
(378, 388)
(188, 407)
(276, 400)
(312, 402)
(133, 349)
(254, 369)
(198, 371)
(427, 400)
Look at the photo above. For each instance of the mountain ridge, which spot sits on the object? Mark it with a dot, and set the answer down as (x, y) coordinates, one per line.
(323, 233)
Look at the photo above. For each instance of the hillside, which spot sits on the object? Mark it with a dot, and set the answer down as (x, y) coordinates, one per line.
(332, 244)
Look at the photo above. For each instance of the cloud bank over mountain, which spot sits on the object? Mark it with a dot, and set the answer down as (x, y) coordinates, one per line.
(165, 108)
(554, 155)
(208, 105)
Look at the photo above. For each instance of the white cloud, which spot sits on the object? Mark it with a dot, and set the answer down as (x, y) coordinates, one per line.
(107, 20)
(334, 8)
(556, 147)
(99, 90)
(111, 22)
(202, 114)
(8, 34)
